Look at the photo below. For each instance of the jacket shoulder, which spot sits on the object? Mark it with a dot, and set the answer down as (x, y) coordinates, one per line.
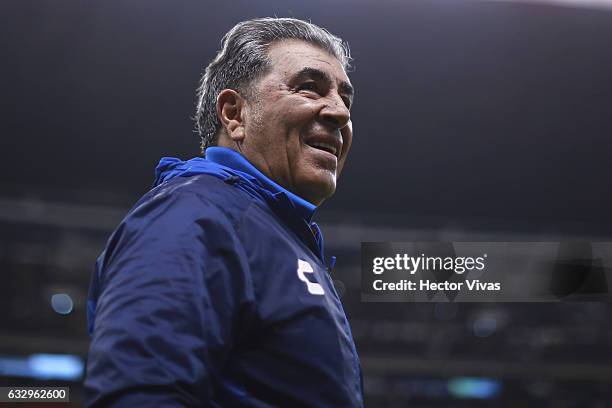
(220, 193)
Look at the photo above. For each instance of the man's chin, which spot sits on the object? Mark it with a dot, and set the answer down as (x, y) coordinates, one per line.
(318, 190)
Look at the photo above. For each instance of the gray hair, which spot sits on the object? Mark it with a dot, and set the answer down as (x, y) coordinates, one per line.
(244, 57)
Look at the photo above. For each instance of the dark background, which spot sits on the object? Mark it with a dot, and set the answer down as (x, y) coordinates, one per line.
(473, 121)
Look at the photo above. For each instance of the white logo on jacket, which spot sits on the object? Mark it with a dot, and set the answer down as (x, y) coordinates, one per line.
(313, 287)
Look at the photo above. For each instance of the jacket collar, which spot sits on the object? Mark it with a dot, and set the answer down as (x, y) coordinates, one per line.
(234, 160)
(232, 167)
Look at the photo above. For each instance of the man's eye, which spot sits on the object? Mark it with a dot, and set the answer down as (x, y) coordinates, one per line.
(308, 86)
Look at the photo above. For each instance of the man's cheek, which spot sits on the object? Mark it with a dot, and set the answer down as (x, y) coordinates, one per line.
(343, 157)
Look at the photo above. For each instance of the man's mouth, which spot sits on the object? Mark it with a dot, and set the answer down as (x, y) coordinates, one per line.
(325, 147)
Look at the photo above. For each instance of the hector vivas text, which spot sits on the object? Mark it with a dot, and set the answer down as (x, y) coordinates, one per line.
(422, 263)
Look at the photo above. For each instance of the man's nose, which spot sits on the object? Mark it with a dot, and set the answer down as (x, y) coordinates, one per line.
(335, 112)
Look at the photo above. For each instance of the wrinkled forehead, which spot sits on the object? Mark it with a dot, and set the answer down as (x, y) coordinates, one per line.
(290, 57)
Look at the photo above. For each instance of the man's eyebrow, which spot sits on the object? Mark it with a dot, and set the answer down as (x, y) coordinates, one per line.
(317, 74)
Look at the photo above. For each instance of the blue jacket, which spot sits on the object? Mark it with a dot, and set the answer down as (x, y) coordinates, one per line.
(213, 291)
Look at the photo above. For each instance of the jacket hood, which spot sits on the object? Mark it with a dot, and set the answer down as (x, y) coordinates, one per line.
(171, 167)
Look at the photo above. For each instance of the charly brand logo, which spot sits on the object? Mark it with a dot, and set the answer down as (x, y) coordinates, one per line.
(313, 287)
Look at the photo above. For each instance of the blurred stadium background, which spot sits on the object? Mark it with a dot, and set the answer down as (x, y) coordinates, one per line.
(473, 121)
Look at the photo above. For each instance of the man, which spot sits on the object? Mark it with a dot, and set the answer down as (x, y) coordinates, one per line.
(214, 290)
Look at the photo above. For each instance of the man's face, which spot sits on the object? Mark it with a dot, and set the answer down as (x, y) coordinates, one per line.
(297, 124)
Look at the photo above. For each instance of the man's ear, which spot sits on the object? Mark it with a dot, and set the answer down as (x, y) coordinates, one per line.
(230, 106)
